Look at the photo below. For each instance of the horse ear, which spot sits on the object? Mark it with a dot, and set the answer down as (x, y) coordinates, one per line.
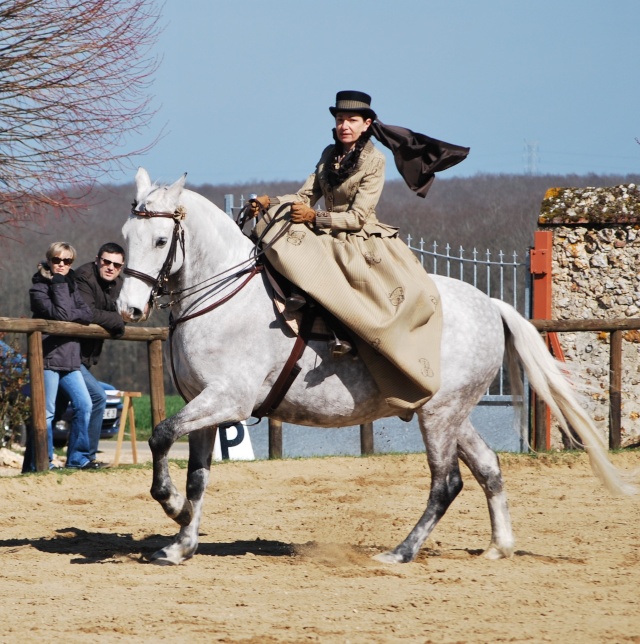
(143, 183)
(175, 189)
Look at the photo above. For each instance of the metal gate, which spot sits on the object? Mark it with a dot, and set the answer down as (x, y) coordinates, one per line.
(506, 279)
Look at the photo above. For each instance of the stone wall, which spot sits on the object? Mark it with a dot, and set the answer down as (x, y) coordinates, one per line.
(596, 274)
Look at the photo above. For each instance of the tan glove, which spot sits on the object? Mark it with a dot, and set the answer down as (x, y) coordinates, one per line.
(301, 213)
(263, 201)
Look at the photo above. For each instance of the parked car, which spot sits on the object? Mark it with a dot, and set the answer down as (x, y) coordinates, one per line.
(110, 420)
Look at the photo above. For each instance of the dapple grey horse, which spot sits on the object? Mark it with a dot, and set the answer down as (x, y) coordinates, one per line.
(226, 360)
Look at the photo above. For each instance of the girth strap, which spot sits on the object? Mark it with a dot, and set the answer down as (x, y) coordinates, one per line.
(290, 370)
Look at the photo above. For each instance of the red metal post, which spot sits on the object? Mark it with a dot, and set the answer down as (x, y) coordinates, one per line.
(541, 267)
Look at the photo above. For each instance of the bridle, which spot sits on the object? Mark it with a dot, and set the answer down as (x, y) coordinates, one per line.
(159, 284)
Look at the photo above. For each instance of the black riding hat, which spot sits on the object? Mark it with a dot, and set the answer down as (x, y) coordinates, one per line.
(352, 101)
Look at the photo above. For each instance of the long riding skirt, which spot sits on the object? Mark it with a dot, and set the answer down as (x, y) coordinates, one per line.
(375, 286)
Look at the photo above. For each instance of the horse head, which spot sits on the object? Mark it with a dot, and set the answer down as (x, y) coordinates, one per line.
(155, 243)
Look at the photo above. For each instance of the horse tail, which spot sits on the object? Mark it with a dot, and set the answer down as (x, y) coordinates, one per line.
(525, 347)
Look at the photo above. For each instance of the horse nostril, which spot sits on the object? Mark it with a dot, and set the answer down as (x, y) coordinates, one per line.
(135, 313)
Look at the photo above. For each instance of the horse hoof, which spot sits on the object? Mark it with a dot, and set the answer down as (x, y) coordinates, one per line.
(389, 558)
(164, 558)
(494, 553)
(162, 562)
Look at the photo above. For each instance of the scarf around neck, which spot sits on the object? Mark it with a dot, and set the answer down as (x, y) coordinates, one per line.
(417, 156)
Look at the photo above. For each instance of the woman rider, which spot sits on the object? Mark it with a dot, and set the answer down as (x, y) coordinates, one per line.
(355, 266)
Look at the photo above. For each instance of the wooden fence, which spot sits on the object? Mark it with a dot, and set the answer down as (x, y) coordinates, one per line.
(616, 329)
(154, 336)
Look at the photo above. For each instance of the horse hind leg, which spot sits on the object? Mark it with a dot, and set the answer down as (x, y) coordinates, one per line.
(185, 543)
(485, 467)
(446, 484)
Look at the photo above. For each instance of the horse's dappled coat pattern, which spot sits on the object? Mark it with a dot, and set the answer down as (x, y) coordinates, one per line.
(227, 360)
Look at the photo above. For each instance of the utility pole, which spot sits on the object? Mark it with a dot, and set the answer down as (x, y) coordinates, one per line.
(531, 157)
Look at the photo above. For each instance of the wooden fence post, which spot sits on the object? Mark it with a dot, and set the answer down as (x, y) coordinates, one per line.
(615, 389)
(38, 406)
(366, 439)
(275, 438)
(156, 382)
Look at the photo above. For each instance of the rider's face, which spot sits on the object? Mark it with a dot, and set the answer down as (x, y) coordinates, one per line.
(349, 127)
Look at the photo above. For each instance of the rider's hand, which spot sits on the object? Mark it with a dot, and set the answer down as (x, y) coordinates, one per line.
(263, 201)
(301, 213)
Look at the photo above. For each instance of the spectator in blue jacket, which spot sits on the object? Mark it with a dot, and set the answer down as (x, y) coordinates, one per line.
(55, 296)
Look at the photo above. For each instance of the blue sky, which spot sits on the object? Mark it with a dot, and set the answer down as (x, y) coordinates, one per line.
(244, 87)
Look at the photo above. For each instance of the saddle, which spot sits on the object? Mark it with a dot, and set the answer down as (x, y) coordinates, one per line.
(309, 322)
(323, 327)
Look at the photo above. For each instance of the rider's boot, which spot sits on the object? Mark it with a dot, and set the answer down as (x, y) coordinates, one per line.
(294, 302)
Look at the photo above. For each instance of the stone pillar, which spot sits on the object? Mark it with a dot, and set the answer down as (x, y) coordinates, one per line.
(596, 274)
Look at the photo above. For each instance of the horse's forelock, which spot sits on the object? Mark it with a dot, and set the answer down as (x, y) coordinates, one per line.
(146, 200)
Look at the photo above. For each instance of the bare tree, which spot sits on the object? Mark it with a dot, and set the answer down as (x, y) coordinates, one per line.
(74, 84)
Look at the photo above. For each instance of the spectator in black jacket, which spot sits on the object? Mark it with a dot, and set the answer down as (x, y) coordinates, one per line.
(99, 283)
(54, 296)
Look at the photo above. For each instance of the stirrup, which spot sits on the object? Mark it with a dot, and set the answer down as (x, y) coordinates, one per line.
(294, 302)
(339, 348)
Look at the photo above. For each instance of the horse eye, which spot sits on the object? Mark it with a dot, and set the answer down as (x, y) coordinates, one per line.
(161, 242)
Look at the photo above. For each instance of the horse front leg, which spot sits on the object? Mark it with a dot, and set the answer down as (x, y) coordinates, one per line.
(446, 484)
(185, 543)
(163, 490)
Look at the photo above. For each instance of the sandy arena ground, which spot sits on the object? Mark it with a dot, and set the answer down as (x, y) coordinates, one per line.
(285, 556)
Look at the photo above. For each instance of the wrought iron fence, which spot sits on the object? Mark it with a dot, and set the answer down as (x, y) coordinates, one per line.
(505, 278)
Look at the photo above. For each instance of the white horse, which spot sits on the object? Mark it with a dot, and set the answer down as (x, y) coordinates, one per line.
(227, 359)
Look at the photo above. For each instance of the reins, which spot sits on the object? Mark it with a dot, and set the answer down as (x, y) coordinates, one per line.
(174, 323)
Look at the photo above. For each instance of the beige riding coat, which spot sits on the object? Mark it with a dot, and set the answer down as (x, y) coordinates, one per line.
(365, 275)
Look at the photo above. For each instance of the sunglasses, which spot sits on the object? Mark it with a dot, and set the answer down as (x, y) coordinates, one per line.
(67, 261)
(108, 262)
